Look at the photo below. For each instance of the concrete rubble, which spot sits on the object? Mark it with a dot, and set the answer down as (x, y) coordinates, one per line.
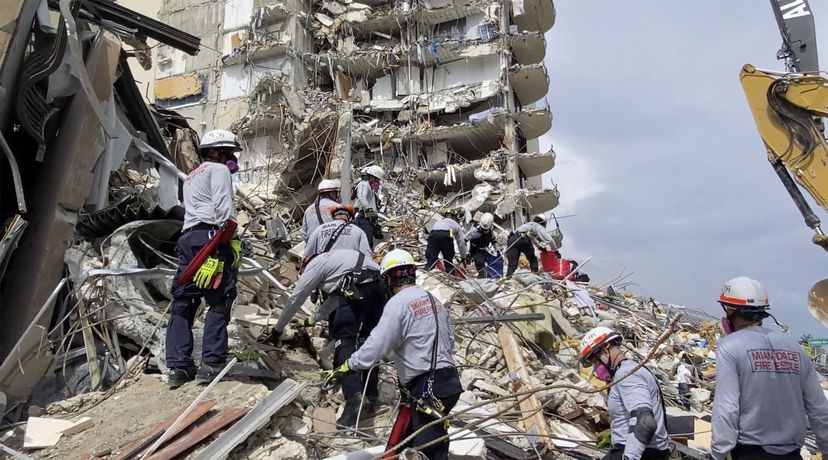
(92, 215)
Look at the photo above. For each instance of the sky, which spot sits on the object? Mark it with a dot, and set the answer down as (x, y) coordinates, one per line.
(659, 158)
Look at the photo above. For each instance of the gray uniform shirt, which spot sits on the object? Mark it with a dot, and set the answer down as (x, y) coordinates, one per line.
(765, 387)
(536, 232)
(325, 271)
(639, 390)
(365, 197)
(451, 225)
(208, 195)
(407, 329)
(310, 220)
(350, 237)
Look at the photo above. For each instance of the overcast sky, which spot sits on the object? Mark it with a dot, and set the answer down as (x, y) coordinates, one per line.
(659, 156)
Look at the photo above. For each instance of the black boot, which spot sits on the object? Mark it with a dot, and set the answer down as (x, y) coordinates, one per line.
(178, 376)
(370, 406)
(349, 414)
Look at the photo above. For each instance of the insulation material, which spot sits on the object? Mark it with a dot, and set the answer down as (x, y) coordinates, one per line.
(178, 87)
(233, 40)
(518, 8)
(471, 30)
(237, 14)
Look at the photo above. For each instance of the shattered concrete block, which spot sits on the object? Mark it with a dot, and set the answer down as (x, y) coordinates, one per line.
(470, 447)
(470, 374)
(478, 290)
(699, 395)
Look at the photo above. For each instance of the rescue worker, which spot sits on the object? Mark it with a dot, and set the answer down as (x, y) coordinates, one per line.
(685, 378)
(367, 202)
(339, 233)
(635, 403)
(415, 328)
(354, 296)
(318, 212)
(480, 237)
(766, 388)
(523, 240)
(208, 205)
(441, 239)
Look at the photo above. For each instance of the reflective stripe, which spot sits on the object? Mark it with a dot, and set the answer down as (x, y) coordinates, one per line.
(733, 300)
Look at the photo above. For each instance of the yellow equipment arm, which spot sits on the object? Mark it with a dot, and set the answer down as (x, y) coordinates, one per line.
(789, 109)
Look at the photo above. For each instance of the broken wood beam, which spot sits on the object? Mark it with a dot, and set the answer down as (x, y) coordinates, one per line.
(136, 447)
(200, 433)
(286, 392)
(531, 411)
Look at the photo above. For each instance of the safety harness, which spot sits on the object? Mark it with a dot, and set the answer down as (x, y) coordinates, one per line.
(353, 280)
(335, 236)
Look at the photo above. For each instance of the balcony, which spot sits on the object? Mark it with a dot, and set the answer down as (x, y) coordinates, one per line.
(534, 15)
(528, 47)
(535, 164)
(530, 82)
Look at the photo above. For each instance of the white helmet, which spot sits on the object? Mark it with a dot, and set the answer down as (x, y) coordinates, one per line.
(375, 171)
(486, 221)
(219, 138)
(744, 293)
(540, 218)
(328, 185)
(595, 340)
(396, 258)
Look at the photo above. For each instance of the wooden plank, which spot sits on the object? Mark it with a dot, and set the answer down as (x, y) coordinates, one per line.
(534, 422)
(200, 433)
(286, 392)
(137, 446)
(83, 423)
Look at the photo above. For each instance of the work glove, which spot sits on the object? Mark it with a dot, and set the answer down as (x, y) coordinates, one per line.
(275, 337)
(336, 374)
(236, 245)
(604, 439)
(208, 270)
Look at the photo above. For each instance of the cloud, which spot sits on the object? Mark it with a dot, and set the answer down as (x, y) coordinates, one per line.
(659, 156)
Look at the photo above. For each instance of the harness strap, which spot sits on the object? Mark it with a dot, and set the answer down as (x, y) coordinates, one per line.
(335, 236)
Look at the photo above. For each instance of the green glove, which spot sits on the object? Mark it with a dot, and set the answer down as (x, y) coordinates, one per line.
(336, 374)
(236, 245)
(604, 439)
(207, 272)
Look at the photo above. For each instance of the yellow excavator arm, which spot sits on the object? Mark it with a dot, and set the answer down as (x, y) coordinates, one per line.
(789, 110)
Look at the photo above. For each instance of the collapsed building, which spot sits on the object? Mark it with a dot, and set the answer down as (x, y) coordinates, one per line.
(451, 93)
(447, 96)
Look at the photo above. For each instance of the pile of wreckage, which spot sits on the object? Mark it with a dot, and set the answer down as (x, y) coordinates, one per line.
(100, 390)
(87, 257)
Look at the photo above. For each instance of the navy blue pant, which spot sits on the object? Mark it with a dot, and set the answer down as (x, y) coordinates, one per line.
(186, 300)
(747, 452)
(440, 242)
(519, 244)
(367, 226)
(350, 325)
(447, 389)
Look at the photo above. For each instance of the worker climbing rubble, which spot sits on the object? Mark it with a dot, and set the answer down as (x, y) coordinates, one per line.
(353, 298)
(441, 239)
(415, 328)
(635, 402)
(767, 392)
(340, 233)
(523, 240)
(208, 214)
(319, 212)
(367, 202)
(481, 237)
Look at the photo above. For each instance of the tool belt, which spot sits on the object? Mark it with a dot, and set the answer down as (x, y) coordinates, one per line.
(353, 282)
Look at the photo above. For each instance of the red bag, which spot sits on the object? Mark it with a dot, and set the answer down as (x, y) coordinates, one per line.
(556, 266)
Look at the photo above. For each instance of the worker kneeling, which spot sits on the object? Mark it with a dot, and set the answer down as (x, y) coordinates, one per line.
(636, 409)
(415, 328)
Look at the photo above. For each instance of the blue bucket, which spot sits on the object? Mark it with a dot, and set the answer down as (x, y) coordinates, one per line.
(494, 265)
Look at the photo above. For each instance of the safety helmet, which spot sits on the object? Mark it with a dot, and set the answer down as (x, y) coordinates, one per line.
(396, 258)
(486, 221)
(219, 139)
(375, 171)
(595, 340)
(745, 294)
(342, 210)
(454, 213)
(540, 218)
(328, 185)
